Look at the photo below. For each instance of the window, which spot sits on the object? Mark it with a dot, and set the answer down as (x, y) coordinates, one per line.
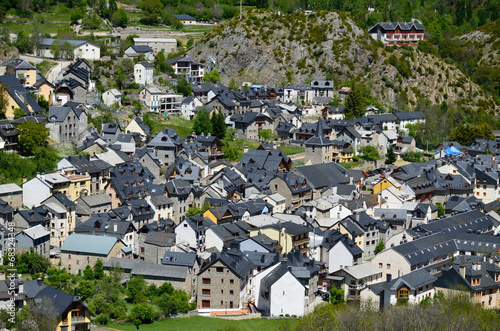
(231, 281)
(69, 257)
(205, 303)
(205, 291)
(221, 291)
(231, 292)
(220, 269)
(388, 266)
(206, 281)
(403, 294)
(380, 265)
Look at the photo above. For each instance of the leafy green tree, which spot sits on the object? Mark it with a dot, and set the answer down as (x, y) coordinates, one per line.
(98, 270)
(135, 286)
(29, 262)
(19, 113)
(354, 104)
(202, 123)
(231, 154)
(108, 298)
(212, 76)
(369, 153)
(391, 156)
(42, 102)
(441, 210)
(119, 18)
(86, 289)
(183, 87)
(32, 136)
(195, 210)
(24, 43)
(137, 107)
(4, 100)
(112, 8)
(267, 135)
(143, 312)
(88, 273)
(120, 78)
(218, 124)
(380, 247)
(336, 295)
(175, 302)
(151, 10)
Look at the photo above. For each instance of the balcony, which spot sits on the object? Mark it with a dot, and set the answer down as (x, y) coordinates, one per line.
(77, 319)
(301, 241)
(357, 287)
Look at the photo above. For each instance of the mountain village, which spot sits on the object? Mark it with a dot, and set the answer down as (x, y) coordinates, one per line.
(272, 232)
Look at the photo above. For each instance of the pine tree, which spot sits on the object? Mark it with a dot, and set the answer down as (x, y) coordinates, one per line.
(354, 104)
(202, 123)
(391, 156)
(218, 125)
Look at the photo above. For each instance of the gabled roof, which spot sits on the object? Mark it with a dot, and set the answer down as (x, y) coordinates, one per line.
(17, 63)
(36, 232)
(89, 244)
(58, 300)
(185, 17)
(413, 280)
(142, 49)
(179, 258)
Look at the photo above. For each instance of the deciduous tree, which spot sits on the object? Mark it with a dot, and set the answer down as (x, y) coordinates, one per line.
(32, 136)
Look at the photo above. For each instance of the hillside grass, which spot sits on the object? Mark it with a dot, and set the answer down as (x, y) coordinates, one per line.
(205, 323)
(197, 28)
(28, 27)
(45, 66)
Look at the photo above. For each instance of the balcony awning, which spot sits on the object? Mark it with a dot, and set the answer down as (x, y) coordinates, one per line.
(332, 277)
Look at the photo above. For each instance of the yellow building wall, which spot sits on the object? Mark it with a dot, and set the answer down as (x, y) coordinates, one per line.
(45, 90)
(358, 240)
(285, 240)
(210, 215)
(382, 185)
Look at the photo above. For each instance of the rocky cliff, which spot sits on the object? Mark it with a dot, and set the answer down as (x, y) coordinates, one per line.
(268, 48)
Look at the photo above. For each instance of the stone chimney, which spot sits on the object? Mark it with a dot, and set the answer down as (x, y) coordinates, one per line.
(245, 149)
(461, 269)
(21, 287)
(39, 282)
(115, 227)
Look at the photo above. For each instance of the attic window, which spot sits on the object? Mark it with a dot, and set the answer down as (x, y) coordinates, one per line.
(163, 138)
(304, 183)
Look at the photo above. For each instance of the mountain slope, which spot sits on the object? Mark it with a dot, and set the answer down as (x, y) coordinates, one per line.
(268, 48)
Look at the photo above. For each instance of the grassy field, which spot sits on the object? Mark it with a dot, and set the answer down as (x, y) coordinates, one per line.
(45, 66)
(197, 28)
(28, 27)
(205, 324)
(181, 125)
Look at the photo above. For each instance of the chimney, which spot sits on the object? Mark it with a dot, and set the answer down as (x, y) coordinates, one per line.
(245, 149)
(39, 281)
(462, 270)
(115, 227)
(24, 179)
(21, 287)
(357, 217)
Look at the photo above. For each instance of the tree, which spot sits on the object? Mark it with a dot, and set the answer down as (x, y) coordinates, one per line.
(4, 101)
(137, 107)
(119, 18)
(380, 247)
(32, 136)
(120, 77)
(183, 87)
(42, 102)
(151, 10)
(267, 135)
(354, 104)
(369, 153)
(195, 210)
(88, 273)
(143, 312)
(135, 286)
(212, 76)
(19, 113)
(336, 295)
(218, 125)
(98, 269)
(231, 154)
(202, 123)
(29, 262)
(86, 289)
(441, 210)
(391, 156)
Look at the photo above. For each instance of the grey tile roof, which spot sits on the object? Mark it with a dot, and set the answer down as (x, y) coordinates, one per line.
(88, 244)
(179, 259)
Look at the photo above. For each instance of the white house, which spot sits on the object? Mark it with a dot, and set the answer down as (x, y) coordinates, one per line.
(278, 292)
(410, 288)
(111, 97)
(143, 73)
(166, 45)
(136, 51)
(82, 49)
(339, 256)
(35, 191)
(189, 106)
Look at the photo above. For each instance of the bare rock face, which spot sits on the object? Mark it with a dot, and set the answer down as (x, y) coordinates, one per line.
(267, 48)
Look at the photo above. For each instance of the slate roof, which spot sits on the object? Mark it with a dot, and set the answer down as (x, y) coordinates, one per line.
(88, 244)
(20, 95)
(273, 276)
(324, 174)
(59, 301)
(142, 49)
(392, 26)
(18, 63)
(412, 280)
(235, 260)
(185, 17)
(179, 259)
(409, 115)
(162, 239)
